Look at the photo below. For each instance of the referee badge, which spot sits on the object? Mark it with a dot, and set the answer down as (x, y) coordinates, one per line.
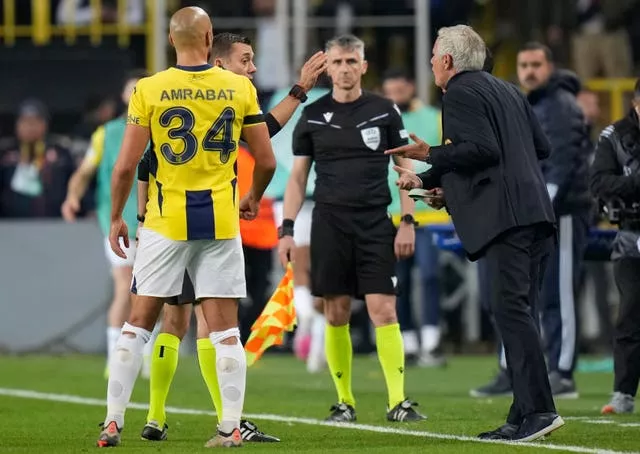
(371, 137)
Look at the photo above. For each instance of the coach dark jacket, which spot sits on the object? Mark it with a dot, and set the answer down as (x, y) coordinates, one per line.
(489, 164)
(567, 167)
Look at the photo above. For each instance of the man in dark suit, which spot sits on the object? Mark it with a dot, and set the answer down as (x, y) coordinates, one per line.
(489, 172)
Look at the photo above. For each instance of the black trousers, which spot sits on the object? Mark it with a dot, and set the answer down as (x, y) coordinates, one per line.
(258, 264)
(516, 262)
(626, 343)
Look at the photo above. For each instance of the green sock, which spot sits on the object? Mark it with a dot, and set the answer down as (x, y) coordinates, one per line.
(339, 357)
(391, 357)
(207, 362)
(164, 362)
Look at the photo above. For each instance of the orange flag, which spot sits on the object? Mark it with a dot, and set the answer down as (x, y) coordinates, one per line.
(278, 316)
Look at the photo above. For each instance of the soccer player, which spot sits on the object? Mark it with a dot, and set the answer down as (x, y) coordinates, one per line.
(100, 159)
(354, 244)
(234, 53)
(193, 114)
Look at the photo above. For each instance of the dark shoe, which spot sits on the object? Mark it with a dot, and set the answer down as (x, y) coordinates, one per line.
(153, 432)
(404, 412)
(500, 386)
(251, 433)
(538, 425)
(504, 432)
(562, 388)
(342, 413)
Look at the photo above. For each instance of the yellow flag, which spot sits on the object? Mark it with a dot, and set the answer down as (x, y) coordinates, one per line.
(278, 316)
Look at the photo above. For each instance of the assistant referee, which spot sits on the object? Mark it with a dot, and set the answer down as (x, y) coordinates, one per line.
(354, 244)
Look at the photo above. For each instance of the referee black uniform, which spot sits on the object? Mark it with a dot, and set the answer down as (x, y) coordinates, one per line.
(352, 235)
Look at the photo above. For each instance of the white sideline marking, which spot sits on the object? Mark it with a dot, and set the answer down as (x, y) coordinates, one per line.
(66, 398)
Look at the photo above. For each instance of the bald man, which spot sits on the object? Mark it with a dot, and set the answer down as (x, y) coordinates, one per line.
(196, 114)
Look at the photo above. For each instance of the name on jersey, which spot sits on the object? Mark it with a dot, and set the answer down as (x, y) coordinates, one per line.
(188, 94)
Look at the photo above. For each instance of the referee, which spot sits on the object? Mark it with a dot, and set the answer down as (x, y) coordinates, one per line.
(354, 244)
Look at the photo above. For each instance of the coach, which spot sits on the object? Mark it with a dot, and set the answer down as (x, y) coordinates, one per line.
(489, 171)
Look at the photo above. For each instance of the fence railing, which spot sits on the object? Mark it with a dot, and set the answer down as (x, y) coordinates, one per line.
(42, 29)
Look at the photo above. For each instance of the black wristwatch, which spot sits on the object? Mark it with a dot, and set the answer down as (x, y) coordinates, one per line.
(140, 218)
(409, 219)
(298, 92)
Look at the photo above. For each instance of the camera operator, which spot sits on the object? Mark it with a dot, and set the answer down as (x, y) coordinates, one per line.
(615, 180)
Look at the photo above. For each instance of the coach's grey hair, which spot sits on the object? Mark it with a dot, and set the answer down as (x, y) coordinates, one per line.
(466, 47)
(347, 42)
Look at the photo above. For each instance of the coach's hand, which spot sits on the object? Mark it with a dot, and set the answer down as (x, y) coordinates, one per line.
(419, 150)
(311, 69)
(407, 179)
(119, 230)
(437, 201)
(249, 207)
(286, 246)
(405, 241)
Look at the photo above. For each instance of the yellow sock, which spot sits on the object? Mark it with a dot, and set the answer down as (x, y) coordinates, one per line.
(339, 357)
(207, 362)
(391, 357)
(164, 362)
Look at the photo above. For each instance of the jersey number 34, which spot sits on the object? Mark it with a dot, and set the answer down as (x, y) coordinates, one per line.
(222, 126)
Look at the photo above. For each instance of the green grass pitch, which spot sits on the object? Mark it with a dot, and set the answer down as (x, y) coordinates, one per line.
(283, 399)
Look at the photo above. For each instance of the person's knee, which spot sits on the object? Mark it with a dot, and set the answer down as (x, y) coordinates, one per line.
(175, 320)
(131, 342)
(337, 310)
(382, 309)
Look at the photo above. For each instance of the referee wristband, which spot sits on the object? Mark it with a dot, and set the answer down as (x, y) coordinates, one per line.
(140, 218)
(286, 229)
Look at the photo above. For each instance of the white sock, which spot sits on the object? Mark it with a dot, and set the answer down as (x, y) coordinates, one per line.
(231, 368)
(113, 334)
(148, 347)
(410, 340)
(123, 370)
(316, 358)
(303, 300)
(429, 337)
(503, 358)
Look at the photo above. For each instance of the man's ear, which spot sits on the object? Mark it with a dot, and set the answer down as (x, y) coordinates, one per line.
(365, 66)
(218, 62)
(448, 62)
(171, 40)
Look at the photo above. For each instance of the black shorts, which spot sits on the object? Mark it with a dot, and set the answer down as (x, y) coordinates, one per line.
(352, 252)
(188, 295)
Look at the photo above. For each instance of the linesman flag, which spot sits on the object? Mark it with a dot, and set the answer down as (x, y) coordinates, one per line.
(278, 316)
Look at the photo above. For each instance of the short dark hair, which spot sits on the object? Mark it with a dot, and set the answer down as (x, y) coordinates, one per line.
(223, 42)
(488, 61)
(397, 73)
(135, 74)
(535, 45)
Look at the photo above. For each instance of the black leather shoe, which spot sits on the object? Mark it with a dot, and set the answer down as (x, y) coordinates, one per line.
(504, 432)
(537, 425)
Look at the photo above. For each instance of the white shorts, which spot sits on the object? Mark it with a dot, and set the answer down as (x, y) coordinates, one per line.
(119, 262)
(216, 267)
(302, 227)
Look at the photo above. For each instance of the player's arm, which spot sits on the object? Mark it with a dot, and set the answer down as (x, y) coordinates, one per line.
(81, 178)
(282, 112)
(143, 182)
(135, 140)
(296, 189)
(257, 137)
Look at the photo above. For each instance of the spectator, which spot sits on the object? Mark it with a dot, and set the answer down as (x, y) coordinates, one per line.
(34, 170)
(81, 12)
(425, 122)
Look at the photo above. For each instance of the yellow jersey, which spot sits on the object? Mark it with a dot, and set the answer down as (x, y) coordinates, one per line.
(195, 115)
